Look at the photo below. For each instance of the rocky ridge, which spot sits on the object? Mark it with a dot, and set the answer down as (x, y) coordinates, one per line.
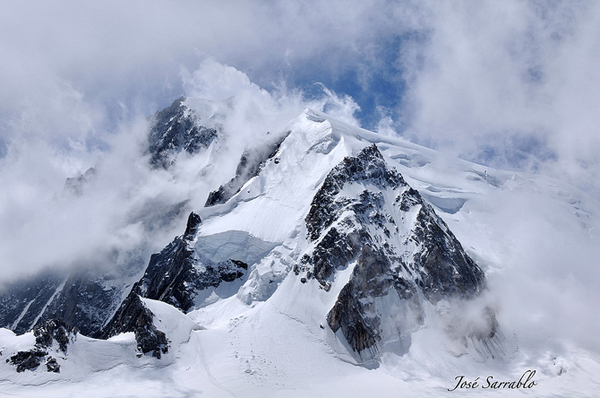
(250, 165)
(89, 299)
(175, 276)
(366, 216)
(46, 334)
(176, 129)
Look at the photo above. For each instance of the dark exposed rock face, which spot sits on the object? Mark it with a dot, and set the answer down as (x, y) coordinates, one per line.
(81, 299)
(52, 366)
(22, 302)
(191, 228)
(27, 360)
(175, 129)
(175, 276)
(365, 214)
(52, 330)
(46, 333)
(250, 165)
(334, 251)
(149, 338)
(350, 312)
(410, 198)
(368, 167)
(86, 302)
(445, 269)
(134, 316)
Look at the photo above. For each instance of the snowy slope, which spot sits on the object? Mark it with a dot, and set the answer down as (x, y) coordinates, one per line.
(269, 336)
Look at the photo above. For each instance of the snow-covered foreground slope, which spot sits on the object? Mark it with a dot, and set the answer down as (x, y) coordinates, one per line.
(267, 334)
(263, 352)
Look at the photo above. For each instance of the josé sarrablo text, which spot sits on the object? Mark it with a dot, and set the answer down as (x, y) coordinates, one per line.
(525, 381)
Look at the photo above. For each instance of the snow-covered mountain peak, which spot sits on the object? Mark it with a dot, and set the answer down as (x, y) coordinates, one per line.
(277, 193)
(326, 241)
(327, 204)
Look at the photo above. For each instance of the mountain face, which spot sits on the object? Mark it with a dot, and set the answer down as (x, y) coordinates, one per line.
(367, 216)
(23, 302)
(82, 299)
(317, 212)
(176, 129)
(250, 165)
(89, 299)
(46, 333)
(175, 276)
(369, 240)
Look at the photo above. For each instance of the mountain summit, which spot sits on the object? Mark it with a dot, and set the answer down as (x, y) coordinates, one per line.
(316, 227)
(318, 207)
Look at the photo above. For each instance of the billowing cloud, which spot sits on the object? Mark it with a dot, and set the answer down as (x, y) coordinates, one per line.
(512, 84)
(114, 215)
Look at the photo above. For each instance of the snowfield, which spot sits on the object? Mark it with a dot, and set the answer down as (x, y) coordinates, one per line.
(535, 238)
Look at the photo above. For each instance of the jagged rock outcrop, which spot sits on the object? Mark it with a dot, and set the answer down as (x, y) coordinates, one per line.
(134, 316)
(175, 276)
(52, 365)
(52, 330)
(176, 129)
(46, 333)
(192, 225)
(368, 167)
(27, 360)
(250, 165)
(366, 216)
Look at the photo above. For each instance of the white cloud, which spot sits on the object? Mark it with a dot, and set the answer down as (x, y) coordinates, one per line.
(509, 76)
(43, 225)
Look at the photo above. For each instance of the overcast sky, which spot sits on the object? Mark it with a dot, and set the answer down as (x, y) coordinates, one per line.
(510, 84)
